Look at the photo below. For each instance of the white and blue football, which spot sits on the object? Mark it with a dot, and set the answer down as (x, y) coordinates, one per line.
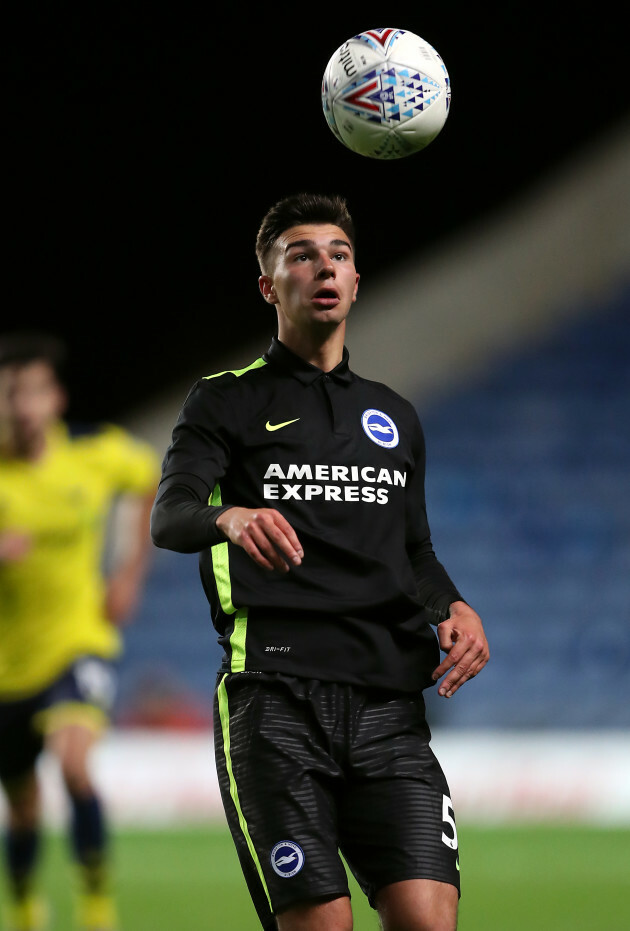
(386, 93)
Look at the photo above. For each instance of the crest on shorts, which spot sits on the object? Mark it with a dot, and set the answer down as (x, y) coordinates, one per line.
(287, 858)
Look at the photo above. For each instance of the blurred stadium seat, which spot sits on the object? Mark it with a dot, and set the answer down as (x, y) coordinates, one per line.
(528, 484)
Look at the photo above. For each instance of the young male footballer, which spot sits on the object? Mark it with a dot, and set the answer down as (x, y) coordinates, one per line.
(301, 485)
(58, 614)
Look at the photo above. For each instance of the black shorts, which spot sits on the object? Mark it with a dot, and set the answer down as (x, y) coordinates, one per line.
(84, 693)
(308, 769)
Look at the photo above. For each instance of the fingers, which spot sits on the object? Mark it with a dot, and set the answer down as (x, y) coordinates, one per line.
(467, 656)
(268, 544)
(14, 546)
(266, 536)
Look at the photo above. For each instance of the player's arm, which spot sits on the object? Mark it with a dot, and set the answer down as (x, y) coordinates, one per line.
(183, 519)
(460, 629)
(127, 577)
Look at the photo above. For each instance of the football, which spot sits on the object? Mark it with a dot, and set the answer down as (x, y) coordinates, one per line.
(386, 93)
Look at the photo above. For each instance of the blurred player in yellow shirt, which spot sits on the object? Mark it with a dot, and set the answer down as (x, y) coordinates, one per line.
(60, 611)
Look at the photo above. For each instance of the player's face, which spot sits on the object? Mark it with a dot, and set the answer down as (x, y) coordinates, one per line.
(313, 280)
(31, 399)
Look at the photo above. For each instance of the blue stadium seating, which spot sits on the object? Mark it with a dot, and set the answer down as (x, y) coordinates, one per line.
(528, 484)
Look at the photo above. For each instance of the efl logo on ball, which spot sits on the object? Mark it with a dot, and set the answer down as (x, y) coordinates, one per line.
(386, 93)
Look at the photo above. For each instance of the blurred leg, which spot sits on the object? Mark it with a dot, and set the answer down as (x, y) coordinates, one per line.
(71, 745)
(22, 841)
(22, 838)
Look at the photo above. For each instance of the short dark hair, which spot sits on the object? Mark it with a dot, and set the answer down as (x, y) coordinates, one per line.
(299, 209)
(25, 346)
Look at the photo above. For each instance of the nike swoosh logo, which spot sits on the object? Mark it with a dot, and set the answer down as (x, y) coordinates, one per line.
(457, 865)
(279, 426)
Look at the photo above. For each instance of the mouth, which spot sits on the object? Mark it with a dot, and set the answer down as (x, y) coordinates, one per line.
(325, 298)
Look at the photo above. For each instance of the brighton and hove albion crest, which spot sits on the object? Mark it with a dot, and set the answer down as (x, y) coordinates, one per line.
(380, 428)
(287, 858)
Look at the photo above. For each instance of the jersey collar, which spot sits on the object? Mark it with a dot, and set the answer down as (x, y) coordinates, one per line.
(278, 354)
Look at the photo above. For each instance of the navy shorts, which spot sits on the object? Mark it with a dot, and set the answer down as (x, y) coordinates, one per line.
(308, 769)
(90, 682)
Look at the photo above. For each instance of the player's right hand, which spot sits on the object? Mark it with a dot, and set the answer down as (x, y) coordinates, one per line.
(14, 545)
(265, 535)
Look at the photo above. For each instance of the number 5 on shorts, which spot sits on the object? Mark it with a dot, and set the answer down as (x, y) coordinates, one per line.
(447, 808)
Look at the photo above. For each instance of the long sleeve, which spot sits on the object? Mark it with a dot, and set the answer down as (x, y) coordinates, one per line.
(435, 587)
(182, 519)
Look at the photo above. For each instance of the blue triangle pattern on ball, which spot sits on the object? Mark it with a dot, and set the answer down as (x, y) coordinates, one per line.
(399, 93)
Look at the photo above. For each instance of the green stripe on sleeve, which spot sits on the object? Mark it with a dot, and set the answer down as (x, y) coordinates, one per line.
(221, 568)
(221, 562)
(224, 717)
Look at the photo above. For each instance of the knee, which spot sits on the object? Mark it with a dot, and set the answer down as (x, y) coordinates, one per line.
(78, 783)
(332, 915)
(418, 905)
(71, 747)
(75, 774)
(424, 922)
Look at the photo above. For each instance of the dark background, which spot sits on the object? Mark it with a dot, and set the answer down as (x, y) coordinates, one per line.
(144, 149)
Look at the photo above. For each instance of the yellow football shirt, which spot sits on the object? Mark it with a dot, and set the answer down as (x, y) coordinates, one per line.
(52, 600)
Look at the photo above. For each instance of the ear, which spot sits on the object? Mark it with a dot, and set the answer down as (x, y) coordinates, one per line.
(62, 401)
(265, 283)
(356, 288)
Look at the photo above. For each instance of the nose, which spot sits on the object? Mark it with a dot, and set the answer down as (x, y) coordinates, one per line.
(325, 266)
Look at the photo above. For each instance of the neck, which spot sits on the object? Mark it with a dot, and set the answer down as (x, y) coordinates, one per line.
(321, 349)
(27, 448)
